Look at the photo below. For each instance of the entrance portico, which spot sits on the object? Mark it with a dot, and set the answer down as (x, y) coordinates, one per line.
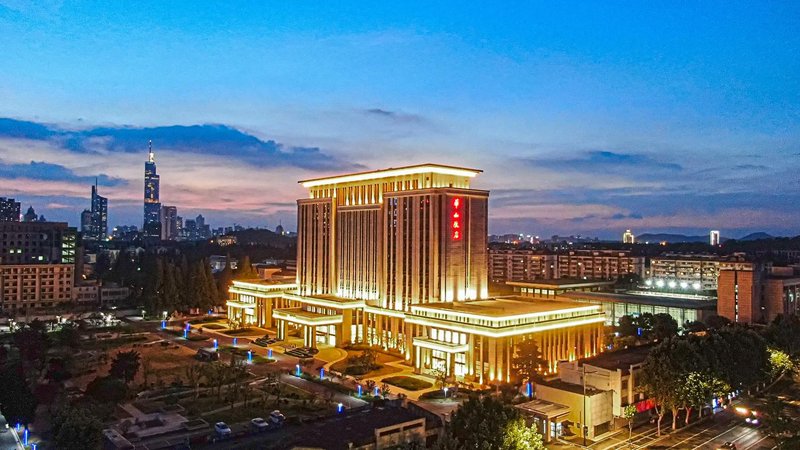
(316, 327)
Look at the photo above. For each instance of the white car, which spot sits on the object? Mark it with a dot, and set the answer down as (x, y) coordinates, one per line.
(276, 416)
(222, 429)
(259, 424)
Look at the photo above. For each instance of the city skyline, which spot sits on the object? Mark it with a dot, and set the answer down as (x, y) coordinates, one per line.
(592, 121)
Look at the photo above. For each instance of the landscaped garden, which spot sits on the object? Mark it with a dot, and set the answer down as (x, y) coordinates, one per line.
(366, 362)
(408, 383)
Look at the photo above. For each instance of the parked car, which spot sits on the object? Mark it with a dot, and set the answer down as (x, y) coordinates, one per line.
(277, 417)
(727, 446)
(222, 429)
(258, 424)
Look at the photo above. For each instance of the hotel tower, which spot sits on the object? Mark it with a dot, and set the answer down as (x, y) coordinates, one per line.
(397, 259)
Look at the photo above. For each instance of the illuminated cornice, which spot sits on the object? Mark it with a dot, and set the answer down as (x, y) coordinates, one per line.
(506, 331)
(337, 304)
(384, 312)
(303, 319)
(416, 309)
(389, 173)
(441, 346)
(259, 294)
(264, 287)
(242, 305)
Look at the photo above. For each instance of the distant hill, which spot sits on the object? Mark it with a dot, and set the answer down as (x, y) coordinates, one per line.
(756, 236)
(675, 238)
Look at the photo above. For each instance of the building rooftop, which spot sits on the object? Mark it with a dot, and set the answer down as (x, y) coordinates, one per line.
(392, 172)
(665, 300)
(620, 359)
(561, 283)
(544, 408)
(356, 428)
(557, 383)
(510, 306)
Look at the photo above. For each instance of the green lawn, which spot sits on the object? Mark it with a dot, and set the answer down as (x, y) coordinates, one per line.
(408, 383)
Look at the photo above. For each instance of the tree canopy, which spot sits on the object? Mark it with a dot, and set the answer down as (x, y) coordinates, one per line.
(487, 423)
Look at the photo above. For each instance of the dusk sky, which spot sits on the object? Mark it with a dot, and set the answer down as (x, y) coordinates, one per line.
(586, 118)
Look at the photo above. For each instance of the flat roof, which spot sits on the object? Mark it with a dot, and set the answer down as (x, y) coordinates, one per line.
(653, 300)
(561, 283)
(544, 408)
(620, 359)
(392, 172)
(302, 313)
(557, 383)
(358, 428)
(504, 306)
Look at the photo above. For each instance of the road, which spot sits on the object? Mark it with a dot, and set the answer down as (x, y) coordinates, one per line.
(723, 427)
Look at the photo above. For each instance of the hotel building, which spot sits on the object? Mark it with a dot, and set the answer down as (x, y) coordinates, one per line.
(397, 259)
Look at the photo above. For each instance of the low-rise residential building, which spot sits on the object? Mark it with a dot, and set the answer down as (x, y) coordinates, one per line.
(534, 265)
(699, 271)
(591, 393)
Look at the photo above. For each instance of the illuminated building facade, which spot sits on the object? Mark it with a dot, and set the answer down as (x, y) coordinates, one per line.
(152, 204)
(628, 237)
(397, 259)
(695, 270)
(713, 238)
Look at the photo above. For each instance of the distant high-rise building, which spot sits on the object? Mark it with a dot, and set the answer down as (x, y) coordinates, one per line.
(279, 229)
(628, 237)
(203, 229)
(125, 232)
(30, 215)
(189, 230)
(169, 223)
(95, 226)
(714, 237)
(152, 204)
(9, 210)
(86, 222)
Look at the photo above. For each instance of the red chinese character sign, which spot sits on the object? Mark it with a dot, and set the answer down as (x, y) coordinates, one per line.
(456, 220)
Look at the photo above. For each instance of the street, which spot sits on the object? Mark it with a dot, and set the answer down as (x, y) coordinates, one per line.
(723, 427)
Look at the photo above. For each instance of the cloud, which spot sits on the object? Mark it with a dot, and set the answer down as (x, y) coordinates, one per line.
(52, 172)
(395, 116)
(208, 139)
(604, 160)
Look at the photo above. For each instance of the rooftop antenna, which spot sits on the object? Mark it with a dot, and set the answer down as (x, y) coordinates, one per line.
(151, 156)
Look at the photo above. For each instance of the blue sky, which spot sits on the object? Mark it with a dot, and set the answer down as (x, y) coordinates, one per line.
(586, 117)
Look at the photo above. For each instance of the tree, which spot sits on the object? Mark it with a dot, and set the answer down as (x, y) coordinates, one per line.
(519, 436)
(694, 327)
(245, 270)
(488, 423)
(17, 402)
(527, 361)
(224, 281)
(663, 375)
(717, 322)
(194, 374)
(125, 365)
(628, 413)
(779, 362)
(77, 428)
(627, 326)
(664, 326)
(698, 390)
(170, 291)
(68, 336)
(784, 333)
(107, 390)
(440, 376)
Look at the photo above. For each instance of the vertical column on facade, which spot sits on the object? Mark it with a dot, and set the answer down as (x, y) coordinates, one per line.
(492, 358)
(509, 355)
(469, 358)
(480, 360)
(417, 358)
(570, 344)
(281, 330)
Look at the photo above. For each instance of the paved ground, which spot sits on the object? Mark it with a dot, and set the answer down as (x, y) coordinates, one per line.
(723, 427)
(7, 437)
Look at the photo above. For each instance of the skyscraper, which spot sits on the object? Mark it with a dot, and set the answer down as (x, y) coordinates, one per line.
(96, 227)
(169, 223)
(152, 205)
(9, 210)
(628, 237)
(713, 237)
